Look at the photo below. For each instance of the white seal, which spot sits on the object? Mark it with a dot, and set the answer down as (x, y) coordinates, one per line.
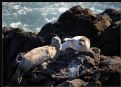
(78, 43)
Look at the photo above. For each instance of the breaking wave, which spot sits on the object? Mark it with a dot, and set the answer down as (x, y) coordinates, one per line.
(31, 16)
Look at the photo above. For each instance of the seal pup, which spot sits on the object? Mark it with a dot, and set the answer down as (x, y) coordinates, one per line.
(78, 43)
(37, 56)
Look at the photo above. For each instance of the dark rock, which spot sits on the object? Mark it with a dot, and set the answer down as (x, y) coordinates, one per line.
(76, 9)
(107, 20)
(73, 83)
(110, 70)
(78, 21)
(111, 63)
(90, 13)
(102, 23)
(109, 41)
(113, 13)
(48, 28)
(17, 41)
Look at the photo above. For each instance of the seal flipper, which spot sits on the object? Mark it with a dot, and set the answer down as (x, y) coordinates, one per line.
(15, 79)
(17, 60)
(19, 74)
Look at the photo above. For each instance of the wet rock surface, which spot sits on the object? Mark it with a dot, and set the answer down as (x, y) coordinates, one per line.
(100, 66)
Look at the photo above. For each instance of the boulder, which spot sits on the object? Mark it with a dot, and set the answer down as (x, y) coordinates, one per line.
(78, 21)
(73, 83)
(109, 41)
(113, 13)
(110, 70)
(17, 41)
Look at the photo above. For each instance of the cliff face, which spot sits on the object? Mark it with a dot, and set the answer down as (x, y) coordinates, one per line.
(101, 66)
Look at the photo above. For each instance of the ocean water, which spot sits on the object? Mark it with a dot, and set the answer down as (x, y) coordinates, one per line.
(31, 16)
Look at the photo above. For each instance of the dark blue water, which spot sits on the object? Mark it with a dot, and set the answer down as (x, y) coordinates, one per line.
(31, 16)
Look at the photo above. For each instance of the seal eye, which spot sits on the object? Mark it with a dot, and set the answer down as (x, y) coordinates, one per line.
(54, 39)
(81, 42)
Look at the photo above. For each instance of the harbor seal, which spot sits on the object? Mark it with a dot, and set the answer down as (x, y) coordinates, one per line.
(37, 56)
(78, 43)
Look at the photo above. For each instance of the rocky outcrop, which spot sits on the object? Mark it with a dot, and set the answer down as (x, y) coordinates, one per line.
(113, 13)
(80, 21)
(110, 70)
(109, 41)
(100, 66)
(17, 41)
(75, 70)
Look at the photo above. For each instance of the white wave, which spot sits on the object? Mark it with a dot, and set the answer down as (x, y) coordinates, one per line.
(16, 25)
(3, 26)
(53, 9)
(95, 10)
(50, 20)
(24, 10)
(16, 7)
(62, 9)
(6, 14)
(15, 14)
(38, 29)
(45, 11)
(25, 27)
(49, 12)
